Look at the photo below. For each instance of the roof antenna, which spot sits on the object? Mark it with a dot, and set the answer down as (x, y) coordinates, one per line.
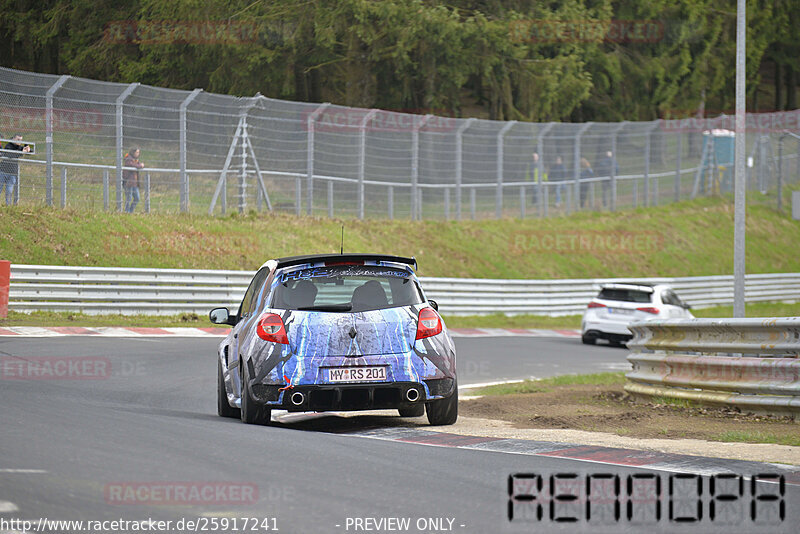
(341, 251)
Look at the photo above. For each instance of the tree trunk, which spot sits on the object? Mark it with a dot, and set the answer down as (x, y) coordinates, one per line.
(791, 87)
(778, 86)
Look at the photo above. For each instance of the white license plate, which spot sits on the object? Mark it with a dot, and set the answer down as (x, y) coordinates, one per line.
(620, 311)
(356, 374)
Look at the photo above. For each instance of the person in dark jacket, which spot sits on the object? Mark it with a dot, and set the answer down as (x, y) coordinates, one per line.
(558, 174)
(130, 179)
(586, 174)
(9, 166)
(604, 169)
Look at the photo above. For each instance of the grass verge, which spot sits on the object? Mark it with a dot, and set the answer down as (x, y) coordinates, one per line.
(566, 322)
(598, 403)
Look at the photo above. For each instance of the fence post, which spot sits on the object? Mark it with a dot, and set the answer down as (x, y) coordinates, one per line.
(650, 192)
(147, 192)
(498, 201)
(48, 119)
(119, 143)
(362, 128)
(472, 202)
(330, 199)
(310, 121)
(677, 191)
(614, 163)
(416, 211)
(391, 201)
(63, 187)
(105, 189)
(577, 169)
(522, 202)
(543, 201)
(459, 163)
(446, 203)
(184, 177)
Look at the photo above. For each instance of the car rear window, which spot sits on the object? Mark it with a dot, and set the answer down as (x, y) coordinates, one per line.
(343, 288)
(626, 295)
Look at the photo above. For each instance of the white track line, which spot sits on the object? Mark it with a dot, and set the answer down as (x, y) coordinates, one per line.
(7, 507)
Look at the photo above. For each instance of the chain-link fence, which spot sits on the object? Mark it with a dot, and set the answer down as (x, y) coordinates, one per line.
(210, 153)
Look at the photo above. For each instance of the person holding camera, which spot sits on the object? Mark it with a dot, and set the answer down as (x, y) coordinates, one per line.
(9, 166)
(130, 179)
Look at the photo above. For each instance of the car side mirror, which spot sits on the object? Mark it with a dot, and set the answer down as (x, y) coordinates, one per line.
(434, 304)
(221, 316)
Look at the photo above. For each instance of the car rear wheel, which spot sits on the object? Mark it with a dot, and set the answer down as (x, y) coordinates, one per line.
(224, 409)
(253, 413)
(443, 411)
(588, 340)
(415, 411)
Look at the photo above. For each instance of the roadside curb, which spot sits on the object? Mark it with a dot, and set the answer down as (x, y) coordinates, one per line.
(111, 331)
(654, 460)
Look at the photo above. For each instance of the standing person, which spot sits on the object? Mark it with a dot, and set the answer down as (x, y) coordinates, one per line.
(604, 169)
(558, 173)
(130, 179)
(9, 166)
(586, 174)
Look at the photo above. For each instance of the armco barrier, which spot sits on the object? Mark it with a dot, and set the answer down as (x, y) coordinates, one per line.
(99, 290)
(753, 364)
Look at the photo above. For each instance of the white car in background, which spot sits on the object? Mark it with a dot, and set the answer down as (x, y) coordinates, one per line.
(618, 305)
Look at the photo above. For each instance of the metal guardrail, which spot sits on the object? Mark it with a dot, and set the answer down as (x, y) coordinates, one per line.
(105, 290)
(752, 364)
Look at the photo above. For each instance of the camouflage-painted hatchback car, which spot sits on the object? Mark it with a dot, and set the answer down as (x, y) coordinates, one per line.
(336, 332)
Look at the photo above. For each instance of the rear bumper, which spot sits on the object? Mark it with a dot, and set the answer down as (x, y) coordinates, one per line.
(606, 328)
(352, 397)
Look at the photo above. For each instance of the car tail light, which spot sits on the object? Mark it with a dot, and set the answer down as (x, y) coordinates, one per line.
(652, 310)
(429, 323)
(270, 328)
(594, 304)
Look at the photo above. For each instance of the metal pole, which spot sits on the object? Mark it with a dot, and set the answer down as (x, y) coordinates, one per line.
(446, 203)
(648, 190)
(522, 202)
(63, 188)
(147, 192)
(472, 202)
(577, 162)
(614, 143)
(330, 199)
(498, 200)
(391, 202)
(678, 169)
(105, 189)
(119, 138)
(459, 163)
(48, 119)
(416, 211)
(310, 122)
(739, 188)
(184, 178)
(540, 169)
(243, 173)
(362, 161)
(780, 172)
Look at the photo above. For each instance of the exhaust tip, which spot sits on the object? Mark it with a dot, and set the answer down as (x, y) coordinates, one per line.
(298, 398)
(412, 395)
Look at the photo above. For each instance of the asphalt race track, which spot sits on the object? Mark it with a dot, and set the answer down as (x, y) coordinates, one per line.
(134, 435)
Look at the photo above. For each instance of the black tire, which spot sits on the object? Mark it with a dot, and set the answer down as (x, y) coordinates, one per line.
(253, 413)
(415, 411)
(223, 408)
(588, 340)
(443, 411)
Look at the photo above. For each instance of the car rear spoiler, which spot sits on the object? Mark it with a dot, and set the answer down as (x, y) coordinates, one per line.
(354, 257)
